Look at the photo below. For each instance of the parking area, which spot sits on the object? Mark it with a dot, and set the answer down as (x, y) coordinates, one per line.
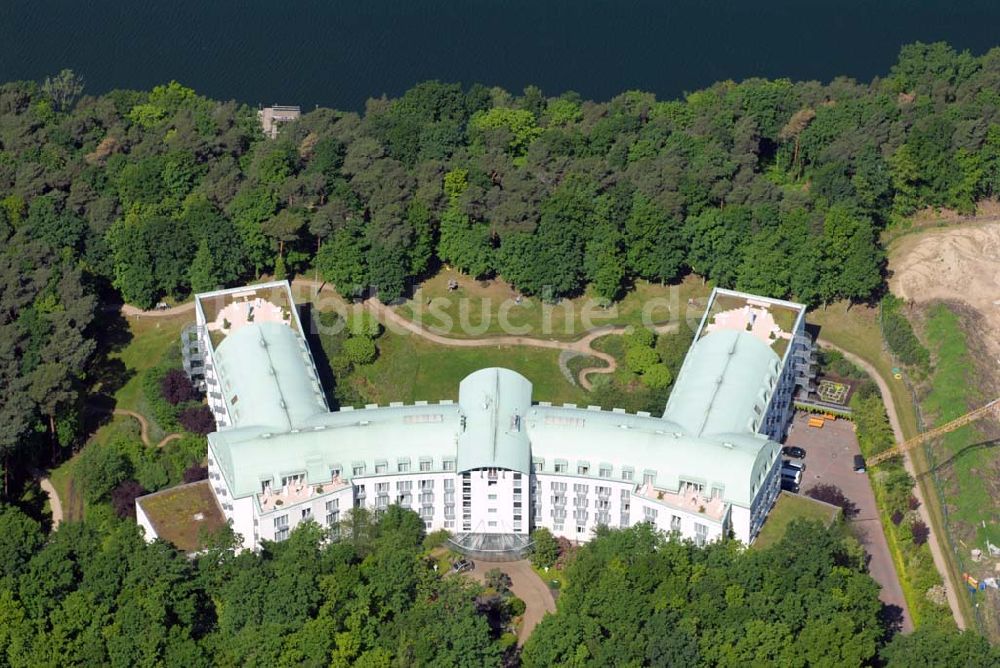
(829, 459)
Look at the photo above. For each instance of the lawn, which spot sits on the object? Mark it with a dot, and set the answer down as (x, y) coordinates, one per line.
(791, 507)
(410, 368)
(488, 308)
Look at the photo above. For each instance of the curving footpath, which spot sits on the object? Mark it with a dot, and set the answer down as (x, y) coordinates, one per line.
(55, 505)
(144, 428)
(399, 324)
(939, 559)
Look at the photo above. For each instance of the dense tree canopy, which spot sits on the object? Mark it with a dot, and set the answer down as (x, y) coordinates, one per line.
(776, 187)
(95, 593)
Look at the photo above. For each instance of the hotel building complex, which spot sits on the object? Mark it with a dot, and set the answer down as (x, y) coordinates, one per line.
(498, 462)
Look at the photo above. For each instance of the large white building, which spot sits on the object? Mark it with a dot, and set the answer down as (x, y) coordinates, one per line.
(497, 464)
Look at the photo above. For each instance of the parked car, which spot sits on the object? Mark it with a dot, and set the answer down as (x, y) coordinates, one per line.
(859, 464)
(792, 475)
(793, 451)
(462, 565)
(789, 485)
(789, 464)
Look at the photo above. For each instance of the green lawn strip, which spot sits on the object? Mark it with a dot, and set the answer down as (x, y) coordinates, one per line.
(791, 507)
(409, 369)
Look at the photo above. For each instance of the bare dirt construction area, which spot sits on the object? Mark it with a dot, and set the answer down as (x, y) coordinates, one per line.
(958, 267)
(955, 263)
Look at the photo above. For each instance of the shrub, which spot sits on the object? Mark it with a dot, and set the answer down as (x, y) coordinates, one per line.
(545, 551)
(498, 580)
(899, 334)
(123, 498)
(639, 359)
(914, 502)
(359, 350)
(920, 532)
(658, 376)
(516, 606)
(435, 538)
(834, 496)
(100, 469)
(176, 388)
(195, 473)
(197, 420)
(897, 517)
(640, 337)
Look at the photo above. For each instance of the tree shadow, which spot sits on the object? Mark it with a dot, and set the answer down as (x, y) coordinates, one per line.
(891, 617)
(949, 461)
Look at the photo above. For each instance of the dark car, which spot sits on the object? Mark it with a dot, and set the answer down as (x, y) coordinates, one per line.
(859, 464)
(462, 565)
(789, 485)
(793, 451)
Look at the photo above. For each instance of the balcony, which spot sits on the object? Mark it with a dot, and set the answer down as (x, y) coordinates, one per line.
(294, 493)
(687, 499)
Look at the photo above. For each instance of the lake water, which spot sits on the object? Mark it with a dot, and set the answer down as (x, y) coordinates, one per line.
(340, 52)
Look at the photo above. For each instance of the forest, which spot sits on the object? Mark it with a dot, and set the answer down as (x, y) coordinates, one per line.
(772, 186)
(94, 593)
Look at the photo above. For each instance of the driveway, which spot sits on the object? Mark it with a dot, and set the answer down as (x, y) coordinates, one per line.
(830, 460)
(527, 586)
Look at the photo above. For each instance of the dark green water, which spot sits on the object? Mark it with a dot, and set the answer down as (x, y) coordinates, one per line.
(340, 52)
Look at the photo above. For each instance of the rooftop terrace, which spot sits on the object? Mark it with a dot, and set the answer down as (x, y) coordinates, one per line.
(184, 515)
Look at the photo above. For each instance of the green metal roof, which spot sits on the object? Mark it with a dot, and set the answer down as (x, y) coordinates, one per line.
(268, 377)
(724, 385)
(494, 403)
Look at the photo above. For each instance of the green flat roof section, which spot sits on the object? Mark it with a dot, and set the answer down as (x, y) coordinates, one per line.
(268, 378)
(724, 384)
(494, 404)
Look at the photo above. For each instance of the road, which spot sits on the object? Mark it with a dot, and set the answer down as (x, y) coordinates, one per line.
(829, 460)
(527, 586)
(934, 540)
(55, 505)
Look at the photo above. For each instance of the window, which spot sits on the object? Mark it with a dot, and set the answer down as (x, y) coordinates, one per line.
(404, 485)
(604, 471)
(403, 467)
(491, 510)
(265, 486)
(381, 488)
(293, 480)
(492, 497)
(675, 522)
(537, 465)
(449, 483)
(280, 528)
(583, 469)
(650, 513)
(425, 465)
(307, 513)
(492, 524)
(381, 467)
(427, 485)
(359, 469)
(335, 471)
(700, 533)
(561, 467)
(627, 474)
(558, 487)
(648, 478)
(448, 465)
(332, 512)
(581, 489)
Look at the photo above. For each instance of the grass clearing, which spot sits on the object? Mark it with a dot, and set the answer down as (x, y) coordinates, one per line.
(410, 368)
(791, 507)
(488, 308)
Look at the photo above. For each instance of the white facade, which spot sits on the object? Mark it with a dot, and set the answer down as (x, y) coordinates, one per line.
(494, 463)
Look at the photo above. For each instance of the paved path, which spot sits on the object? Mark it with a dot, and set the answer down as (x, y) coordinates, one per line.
(934, 541)
(829, 459)
(399, 324)
(144, 428)
(527, 586)
(55, 505)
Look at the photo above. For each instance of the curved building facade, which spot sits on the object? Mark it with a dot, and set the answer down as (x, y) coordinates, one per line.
(497, 463)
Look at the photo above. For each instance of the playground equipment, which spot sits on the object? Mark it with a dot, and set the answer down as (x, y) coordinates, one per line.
(971, 416)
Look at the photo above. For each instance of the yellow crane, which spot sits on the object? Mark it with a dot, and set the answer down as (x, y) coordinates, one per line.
(972, 416)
